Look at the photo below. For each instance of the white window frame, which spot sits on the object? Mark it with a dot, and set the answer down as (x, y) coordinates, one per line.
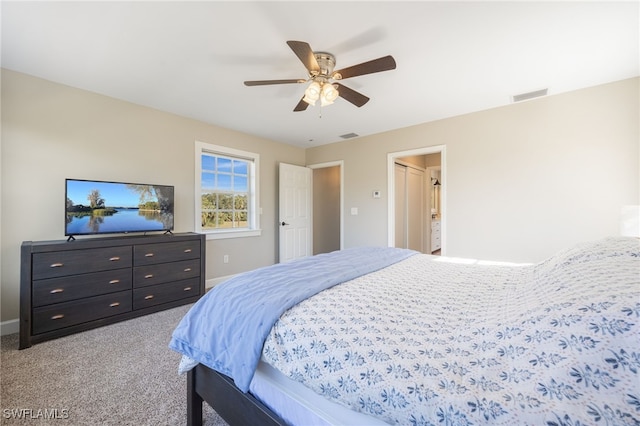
(254, 191)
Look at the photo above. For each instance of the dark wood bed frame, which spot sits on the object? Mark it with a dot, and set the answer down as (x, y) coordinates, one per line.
(233, 405)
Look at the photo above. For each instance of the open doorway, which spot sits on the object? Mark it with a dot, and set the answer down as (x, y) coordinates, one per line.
(434, 204)
(327, 207)
(417, 199)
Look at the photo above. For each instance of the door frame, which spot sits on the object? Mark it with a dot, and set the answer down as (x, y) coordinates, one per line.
(392, 157)
(339, 163)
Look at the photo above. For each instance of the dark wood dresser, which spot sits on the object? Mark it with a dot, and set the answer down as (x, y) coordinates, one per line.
(71, 286)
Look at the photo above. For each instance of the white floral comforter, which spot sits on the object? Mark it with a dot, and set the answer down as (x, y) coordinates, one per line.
(428, 341)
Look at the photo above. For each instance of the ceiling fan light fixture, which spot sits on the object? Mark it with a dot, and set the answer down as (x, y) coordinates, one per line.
(329, 93)
(325, 102)
(312, 93)
(308, 100)
(323, 90)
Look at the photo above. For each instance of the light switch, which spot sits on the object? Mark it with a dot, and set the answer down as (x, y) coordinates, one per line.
(354, 211)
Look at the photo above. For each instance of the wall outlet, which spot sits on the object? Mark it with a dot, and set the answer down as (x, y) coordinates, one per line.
(225, 258)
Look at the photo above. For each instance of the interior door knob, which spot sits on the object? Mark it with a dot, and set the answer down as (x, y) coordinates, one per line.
(284, 223)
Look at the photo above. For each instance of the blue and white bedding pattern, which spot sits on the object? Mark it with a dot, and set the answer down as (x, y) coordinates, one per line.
(225, 329)
(434, 341)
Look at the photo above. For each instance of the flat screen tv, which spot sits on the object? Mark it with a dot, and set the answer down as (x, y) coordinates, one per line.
(100, 207)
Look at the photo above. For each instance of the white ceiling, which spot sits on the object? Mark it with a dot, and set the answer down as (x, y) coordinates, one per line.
(191, 58)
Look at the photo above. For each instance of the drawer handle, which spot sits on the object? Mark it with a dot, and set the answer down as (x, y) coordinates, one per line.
(148, 255)
(114, 281)
(187, 269)
(114, 304)
(56, 317)
(56, 290)
(149, 297)
(114, 258)
(187, 250)
(148, 276)
(187, 289)
(56, 265)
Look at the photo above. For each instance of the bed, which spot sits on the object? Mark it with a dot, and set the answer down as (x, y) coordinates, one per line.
(376, 335)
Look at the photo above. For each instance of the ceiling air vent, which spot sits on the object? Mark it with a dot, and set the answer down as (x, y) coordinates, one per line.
(530, 95)
(349, 135)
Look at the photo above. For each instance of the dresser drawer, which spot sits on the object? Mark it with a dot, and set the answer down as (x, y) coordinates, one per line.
(56, 290)
(435, 243)
(164, 293)
(165, 272)
(72, 262)
(148, 254)
(53, 317)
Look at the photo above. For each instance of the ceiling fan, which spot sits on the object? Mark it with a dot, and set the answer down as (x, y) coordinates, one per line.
(322, 77)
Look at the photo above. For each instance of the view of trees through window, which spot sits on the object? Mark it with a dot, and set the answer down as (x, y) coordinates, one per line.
(225, 192)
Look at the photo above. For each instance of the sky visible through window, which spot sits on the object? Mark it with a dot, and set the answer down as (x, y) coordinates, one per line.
(224, 174)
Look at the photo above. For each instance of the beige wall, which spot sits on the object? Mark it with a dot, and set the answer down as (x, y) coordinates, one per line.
(522, 181)
(51, 132)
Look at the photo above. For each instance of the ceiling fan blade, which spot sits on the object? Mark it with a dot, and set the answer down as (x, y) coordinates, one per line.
(305, 54)
(266, 82)
(356, 98)
(302, 105)
(385, 63)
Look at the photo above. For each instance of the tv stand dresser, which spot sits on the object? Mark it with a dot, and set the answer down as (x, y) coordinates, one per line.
(72, 286)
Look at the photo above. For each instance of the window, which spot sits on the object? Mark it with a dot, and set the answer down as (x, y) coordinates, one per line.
(226, 192)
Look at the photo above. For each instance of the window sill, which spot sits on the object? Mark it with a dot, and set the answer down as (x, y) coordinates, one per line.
(239, 233)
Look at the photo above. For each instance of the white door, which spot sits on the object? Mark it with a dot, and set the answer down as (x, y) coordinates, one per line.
(295, 212)
(415, 209)
(409, 207)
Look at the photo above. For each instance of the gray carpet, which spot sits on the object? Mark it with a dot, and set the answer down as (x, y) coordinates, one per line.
(121, 374)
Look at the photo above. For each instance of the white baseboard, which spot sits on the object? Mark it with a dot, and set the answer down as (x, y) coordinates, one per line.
(210, 283)
(9, 327)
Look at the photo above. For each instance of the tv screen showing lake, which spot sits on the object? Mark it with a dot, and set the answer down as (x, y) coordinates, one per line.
(96, 207)
(123, 220)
